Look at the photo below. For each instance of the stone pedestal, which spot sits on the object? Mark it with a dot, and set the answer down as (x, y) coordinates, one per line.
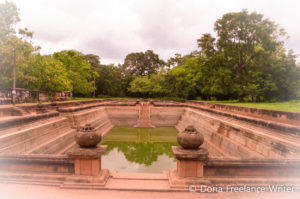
(87, 168)
(190, 163)
(87, 161)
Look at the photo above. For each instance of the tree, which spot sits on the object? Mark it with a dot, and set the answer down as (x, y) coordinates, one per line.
(145, 86)
(286, 75)
(15, 50)
(110, 82)
(175, 61)
(240, 34)
(207, 45)
(9, 16)
(141, 86)
(94, 60)
(182, 80)
(215, 79)
(143, 63)
(47, 74)
(78, 70)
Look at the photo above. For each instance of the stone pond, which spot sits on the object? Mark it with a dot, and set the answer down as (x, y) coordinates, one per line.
(244, 145)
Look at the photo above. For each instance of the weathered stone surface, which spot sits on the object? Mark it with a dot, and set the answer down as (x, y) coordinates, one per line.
(87, 161)
(166, 116)
(87, 136)
(123, 116)
(144, 116)
(16, 111)
(87, 181)
(177, 181)
(40, 109)
(281, 116)
(87, 152)
(190, 138)
(191, 154)
(190, 162)
(5, 123)
(36, 163)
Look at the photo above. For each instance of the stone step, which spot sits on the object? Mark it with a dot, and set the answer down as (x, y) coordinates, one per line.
(28, 125)
(38, 140)
(31, 140)
(99, 122)
(32, 178)
(103, 127)
(219, 151)
(208, 143)
(65, 149)
(267, 142)
(7, 123)
(24, 134)
(55, 144)
(228, 145)
(107, 129)
(280, 127)
(144, 116)
(90, 116)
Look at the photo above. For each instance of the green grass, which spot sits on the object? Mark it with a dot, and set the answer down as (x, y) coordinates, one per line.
(82, 99)
(290, 106)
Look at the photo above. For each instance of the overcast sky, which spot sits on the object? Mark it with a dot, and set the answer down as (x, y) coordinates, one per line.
(114, 28)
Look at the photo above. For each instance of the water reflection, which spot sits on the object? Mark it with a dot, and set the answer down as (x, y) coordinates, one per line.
(140, 149)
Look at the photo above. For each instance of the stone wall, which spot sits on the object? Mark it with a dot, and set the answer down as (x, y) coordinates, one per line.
(123, 116)
(43, 164)
(265, 168)
(280, 116)
(236, 140)
(97, 117)
(165, 116)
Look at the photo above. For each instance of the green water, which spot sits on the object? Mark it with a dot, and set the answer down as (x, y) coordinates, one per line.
(140, 150)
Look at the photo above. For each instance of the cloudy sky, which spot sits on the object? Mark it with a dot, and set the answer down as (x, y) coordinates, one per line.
(114, 28)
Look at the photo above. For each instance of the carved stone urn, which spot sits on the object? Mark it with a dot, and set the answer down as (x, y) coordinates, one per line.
(87, 137)
(190, 138)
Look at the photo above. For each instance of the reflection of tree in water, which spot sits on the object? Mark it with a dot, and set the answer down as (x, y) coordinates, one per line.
(143, 152)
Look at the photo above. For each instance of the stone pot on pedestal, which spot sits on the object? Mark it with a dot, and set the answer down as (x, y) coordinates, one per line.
(190, 138)
(87, 136)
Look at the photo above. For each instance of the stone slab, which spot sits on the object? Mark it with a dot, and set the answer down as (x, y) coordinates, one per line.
(87, 153)
(176, 181)
(189, 154)
(81, 181)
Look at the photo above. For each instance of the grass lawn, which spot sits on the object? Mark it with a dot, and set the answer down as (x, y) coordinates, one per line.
(291, 106)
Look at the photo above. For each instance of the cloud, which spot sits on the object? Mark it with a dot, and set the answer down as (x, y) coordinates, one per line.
(112, 29)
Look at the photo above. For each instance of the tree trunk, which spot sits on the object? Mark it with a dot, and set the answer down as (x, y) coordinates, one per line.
(241, 99)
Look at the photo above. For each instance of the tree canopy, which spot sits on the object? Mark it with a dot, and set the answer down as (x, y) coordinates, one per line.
(246, 61)
(143, 63)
